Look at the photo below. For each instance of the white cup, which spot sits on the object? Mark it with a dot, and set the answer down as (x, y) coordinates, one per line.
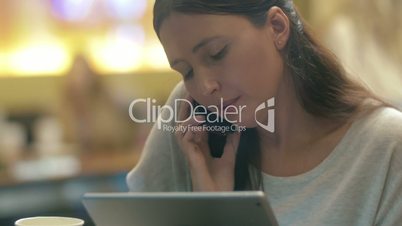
(49, 221)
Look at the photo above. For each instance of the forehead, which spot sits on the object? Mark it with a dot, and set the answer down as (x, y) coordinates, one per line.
(183, 31)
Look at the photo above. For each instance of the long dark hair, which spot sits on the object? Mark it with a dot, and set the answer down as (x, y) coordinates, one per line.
(321, 83)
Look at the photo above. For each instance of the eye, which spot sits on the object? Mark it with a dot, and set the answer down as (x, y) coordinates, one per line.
(189, 74)
(220, 55)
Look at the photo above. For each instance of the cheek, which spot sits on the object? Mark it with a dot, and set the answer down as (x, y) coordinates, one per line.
(192, 89)
(258, 70)
(195, 92)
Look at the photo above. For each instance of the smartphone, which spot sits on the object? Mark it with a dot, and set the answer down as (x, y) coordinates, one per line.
(218, 129)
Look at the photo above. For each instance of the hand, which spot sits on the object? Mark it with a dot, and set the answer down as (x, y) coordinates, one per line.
(207, 173)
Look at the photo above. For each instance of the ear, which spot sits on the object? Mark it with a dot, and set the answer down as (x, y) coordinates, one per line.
(278, 23)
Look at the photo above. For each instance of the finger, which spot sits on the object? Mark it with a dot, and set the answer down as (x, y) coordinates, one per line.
(184, 108)
(185, 116)
(180, 131)
(195, 138)
(191, 149)
(201, 136)
(194, 124)
(232, 144)
(183, 112)
(196, 120)
(193, 135)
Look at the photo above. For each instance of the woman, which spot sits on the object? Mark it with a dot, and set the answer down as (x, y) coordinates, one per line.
(335, 155)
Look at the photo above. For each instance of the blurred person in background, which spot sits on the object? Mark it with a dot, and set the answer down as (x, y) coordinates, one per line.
(98, 119)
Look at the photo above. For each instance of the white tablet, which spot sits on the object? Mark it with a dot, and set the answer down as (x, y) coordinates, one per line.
(249, 208)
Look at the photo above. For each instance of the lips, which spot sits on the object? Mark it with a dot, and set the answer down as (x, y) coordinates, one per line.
(230, 102)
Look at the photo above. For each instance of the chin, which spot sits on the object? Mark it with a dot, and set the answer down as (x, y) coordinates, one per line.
(248, 121)
(249, 125)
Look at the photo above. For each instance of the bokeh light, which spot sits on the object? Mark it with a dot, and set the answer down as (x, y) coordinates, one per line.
(44, 57)
(126, 9)
(120, 51)
(72, 10)
(3, 64)
(155, 57)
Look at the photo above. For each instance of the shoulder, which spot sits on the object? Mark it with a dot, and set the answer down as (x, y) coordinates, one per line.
(179, 91)
(379, 135)
(382, 125)
(376, 137)
(161, 158)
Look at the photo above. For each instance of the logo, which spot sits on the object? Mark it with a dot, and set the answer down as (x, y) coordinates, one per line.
(153, 114)
(213, 122)
(268, 105)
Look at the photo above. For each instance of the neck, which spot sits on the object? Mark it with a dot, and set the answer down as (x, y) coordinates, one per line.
(294, 127)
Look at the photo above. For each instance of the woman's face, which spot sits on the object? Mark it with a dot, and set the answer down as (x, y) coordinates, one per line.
(224, 56)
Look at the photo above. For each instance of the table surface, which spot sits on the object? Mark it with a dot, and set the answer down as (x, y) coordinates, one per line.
(97, 163)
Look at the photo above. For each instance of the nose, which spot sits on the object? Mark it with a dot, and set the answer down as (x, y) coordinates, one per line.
(209, 81)
(210, 86)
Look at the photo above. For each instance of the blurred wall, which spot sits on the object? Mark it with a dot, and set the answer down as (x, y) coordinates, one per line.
(366, 35)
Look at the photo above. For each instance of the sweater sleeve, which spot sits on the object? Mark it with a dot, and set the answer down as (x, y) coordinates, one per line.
(161, 166)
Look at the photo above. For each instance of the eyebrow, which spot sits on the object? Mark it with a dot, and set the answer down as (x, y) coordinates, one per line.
(202, 43)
